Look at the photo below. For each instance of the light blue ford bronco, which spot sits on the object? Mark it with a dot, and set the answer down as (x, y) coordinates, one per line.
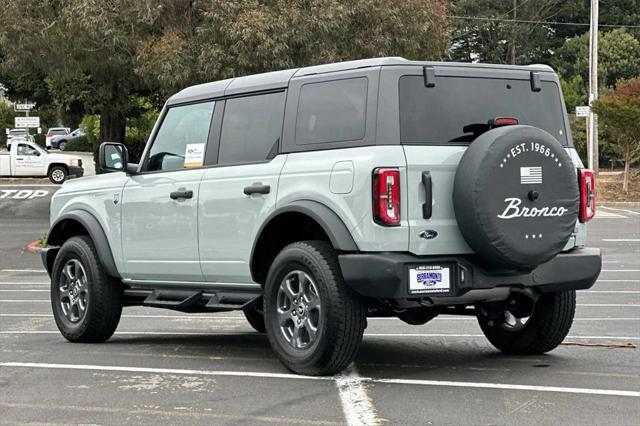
(314, 198)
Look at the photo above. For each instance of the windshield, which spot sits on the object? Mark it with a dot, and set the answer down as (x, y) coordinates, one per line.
(458, 109)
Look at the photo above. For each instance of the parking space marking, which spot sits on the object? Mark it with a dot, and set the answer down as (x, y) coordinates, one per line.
(240, 334)
(356, 404)
(621, 240)
(620, 210)
(243, 319)
(617, 281)
(609, 305)
(22, 290)
(611, 291)
(414, 382)
(21, 283)
(40, 271)
(620, 270)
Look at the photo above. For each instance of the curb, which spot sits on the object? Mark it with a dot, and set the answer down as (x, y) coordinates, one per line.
(34, 247)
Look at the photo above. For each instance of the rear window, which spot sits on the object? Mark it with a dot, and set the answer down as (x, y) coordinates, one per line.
(17, 132)
(332, 111)
(56, 132)
(437, 115)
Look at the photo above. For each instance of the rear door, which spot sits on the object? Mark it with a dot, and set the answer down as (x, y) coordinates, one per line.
(239, 192)
(160, 205)
(432, 131)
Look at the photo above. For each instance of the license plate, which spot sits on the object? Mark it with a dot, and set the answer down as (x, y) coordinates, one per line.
(429, 279)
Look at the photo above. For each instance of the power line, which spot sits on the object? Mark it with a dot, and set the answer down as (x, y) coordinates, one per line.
(523, 21)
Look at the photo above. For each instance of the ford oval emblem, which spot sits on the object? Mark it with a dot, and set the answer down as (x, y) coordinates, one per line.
(428, 234)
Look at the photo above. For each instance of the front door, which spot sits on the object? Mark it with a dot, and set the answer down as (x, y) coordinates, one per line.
(29, 161)
(160, 205)
(239, 193)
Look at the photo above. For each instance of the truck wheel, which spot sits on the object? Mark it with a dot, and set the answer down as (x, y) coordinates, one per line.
(541, 332)
(314, 321)
(86, 302)
(255, 317)
(57, 174)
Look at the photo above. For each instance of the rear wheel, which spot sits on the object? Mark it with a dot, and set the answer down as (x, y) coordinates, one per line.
(58, 174)
(86, 302)
(314, 321)
(61, 145)
(542, 331)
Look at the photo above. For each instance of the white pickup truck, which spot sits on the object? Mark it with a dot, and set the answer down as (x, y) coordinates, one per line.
(30, 160)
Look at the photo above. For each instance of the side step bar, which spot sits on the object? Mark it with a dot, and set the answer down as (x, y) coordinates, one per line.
(192, 301)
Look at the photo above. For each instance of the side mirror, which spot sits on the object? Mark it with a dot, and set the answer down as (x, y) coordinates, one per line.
(113, 157)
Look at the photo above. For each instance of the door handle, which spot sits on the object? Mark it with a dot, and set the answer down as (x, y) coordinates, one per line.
(181, 194)
(257, 188)
(428, 195)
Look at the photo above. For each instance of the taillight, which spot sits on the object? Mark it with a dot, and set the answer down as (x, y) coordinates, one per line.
(503, 121)
(587, 181)
(386, 196)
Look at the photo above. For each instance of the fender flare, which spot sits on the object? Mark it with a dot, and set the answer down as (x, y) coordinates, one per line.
(97, 234)
(329, 221)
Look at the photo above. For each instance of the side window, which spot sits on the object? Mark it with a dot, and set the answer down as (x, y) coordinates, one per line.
(184, 128)
(26, 150)
(332, 111)
(251, 128)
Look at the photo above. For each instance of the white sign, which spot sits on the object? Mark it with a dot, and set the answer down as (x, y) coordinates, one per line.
(27, 122)
(194, 155)
(25, 106)
(582, 111)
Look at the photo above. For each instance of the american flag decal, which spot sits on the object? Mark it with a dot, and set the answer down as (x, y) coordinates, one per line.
(530, 175)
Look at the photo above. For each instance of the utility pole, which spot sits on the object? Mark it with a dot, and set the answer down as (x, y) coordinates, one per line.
(513, 34)
(592, 127)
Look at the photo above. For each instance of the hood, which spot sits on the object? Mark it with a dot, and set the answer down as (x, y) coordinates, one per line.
(62, 157)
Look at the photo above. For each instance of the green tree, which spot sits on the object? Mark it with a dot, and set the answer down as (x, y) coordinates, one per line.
(100, 56)
(619, 113)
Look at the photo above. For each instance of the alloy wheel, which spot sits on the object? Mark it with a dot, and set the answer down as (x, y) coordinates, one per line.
(74, 290)
(299, 309)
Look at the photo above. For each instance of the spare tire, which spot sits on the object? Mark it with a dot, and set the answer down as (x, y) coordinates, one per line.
(516, 197)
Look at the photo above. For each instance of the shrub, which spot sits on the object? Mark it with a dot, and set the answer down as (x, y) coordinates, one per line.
(81, 143)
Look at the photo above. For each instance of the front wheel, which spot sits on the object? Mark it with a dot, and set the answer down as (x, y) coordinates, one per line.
(61, 145)
(58, 174)
(86, 302)
(314, 321)
(542, 331)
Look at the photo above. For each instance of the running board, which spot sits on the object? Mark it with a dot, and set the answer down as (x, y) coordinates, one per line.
(192, 301)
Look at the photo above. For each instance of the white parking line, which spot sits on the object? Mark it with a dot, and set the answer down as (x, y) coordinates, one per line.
(609, 305)
(212, 334)
(620, 210)
(617, 281)
(434, 383)
(25, 270)
(605, 291)
(21, 283)
(242, 318)
(620, 270)
(621, 240)
(22, 290)
(356, 405)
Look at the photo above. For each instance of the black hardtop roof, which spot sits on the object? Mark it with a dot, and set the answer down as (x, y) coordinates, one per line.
(280, 79)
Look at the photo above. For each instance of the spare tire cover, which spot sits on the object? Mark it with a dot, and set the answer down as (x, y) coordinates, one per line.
(516, 196)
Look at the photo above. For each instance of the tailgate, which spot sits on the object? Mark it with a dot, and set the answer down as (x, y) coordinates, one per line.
(440, 162)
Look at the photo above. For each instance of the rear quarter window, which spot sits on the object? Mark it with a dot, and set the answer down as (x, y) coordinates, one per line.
(438, 115)
(332, 111)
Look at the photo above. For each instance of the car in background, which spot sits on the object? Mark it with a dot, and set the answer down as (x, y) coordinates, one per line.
(17, 134)
(59, 141)
(55, 131)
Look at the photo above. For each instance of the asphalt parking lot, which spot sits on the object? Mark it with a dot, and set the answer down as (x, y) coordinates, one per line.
(166, 367)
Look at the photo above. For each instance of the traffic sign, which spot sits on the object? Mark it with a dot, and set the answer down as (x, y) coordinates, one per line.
(582, 111)
(27, 122)
(24, 106)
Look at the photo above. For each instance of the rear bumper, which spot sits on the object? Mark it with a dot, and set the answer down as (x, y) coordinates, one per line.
(385, 275)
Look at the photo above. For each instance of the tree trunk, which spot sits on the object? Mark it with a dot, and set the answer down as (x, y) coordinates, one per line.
(112, 127)
(625, 179)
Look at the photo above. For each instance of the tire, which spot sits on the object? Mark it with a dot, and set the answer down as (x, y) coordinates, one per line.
(61, 145)
(545, 329)
(255, 317)
(338, 314)
(102, 294)
(58, 175)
